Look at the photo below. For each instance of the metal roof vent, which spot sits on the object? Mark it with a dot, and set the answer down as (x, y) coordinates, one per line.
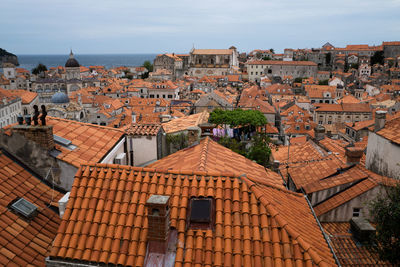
(25, 208)
(64, 142)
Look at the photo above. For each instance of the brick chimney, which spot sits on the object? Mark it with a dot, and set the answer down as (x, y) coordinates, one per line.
(158, 218)
(353, 155)
(43, 135)
(380, 119)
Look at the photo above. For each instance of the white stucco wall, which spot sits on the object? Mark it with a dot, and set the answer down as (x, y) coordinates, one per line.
(119, 148)
(144, 149)
(383, 156)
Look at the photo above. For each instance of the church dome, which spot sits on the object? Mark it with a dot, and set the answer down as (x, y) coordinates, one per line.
(59, 98)
(72, 62)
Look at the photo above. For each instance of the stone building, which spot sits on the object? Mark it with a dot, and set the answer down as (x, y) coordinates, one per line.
(73, 81)
(272, 68)
(10, 108)
(341, 113)
(213, 61)
(177, 65)
(391, 49)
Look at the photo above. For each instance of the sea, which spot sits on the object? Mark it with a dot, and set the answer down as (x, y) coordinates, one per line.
(107, 60)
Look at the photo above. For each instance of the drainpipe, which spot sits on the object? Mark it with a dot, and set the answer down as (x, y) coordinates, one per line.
(322, 229)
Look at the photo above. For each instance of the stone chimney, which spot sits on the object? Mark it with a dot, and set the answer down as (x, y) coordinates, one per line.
(319, 132)
(43, 135)
(193, 135)
(353, 155)
(380, 119)
(158, 219)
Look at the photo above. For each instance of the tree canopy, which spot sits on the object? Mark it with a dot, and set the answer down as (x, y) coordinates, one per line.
(385, 210)
(147, 64)
(237, 117)
(39, 69)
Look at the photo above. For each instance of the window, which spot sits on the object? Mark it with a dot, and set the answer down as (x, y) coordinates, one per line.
(356, 212)
(201, 213)
(200, 210)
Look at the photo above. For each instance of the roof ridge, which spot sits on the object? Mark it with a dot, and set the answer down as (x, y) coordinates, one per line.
(87, 124)
(166, 171)
(203, 155)
(284, 224)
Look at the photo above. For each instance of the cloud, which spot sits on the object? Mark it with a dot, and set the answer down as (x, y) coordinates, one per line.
(123, 25)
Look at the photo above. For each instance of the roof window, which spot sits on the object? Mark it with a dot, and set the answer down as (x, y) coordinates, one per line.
(64, 142)
(201, 213)
(24, 207)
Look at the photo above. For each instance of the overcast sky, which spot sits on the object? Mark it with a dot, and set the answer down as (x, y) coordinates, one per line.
(157, 26)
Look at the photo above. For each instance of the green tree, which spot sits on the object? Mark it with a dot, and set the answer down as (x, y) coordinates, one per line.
(40, 68)
(377, 58)
(147, 64)
(237, 117)
(259, 150)
(266, 58)
(385, 211)
(272, 51)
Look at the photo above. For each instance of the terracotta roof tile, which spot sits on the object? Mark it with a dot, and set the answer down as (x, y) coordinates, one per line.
(181, 124)
(93, 142)
(209, 156)
(391, 131)
(258, 231)
(24, 241)
(142, 129)
(347, 250)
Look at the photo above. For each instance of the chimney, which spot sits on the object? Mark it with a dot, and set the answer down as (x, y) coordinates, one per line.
(43, 135)
(275, 165)
(133, 117)
(380, 119)
(319, 132)
(207, 129)
(362, 230)
(353, 154)
(158, 222)
(62, 204)
(193, 135)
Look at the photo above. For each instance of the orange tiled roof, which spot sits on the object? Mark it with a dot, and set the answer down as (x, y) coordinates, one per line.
(349, 253)
(181, 124)
(349, 99)
(344, 196)
(142, 129)
(344, 107)
(24, 242)
(93, 141)
(255, 225)
(391, 131)
(360, 124)
(26, 96)
(211, 156)
(317, 91)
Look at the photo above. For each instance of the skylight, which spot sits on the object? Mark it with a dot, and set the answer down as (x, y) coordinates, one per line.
(64, 142)
(24, 207)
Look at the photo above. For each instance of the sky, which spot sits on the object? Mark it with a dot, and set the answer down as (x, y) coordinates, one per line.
(160, 26)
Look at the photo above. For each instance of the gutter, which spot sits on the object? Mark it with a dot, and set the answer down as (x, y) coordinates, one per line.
(322, 230)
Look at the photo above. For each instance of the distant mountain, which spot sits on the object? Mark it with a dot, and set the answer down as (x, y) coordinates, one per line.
(7, 57)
